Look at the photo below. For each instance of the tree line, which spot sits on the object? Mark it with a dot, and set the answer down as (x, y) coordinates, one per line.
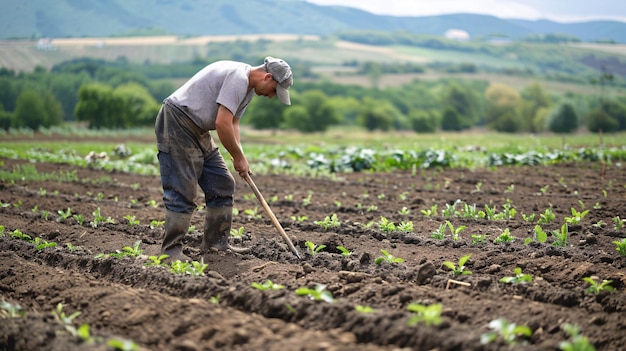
(114, 95)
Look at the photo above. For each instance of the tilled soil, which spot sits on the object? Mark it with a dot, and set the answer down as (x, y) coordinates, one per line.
(122, 299)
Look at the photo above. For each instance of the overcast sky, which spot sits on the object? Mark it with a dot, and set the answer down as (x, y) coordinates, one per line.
(556, 10)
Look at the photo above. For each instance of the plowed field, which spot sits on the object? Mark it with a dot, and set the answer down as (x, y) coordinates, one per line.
(123, 299)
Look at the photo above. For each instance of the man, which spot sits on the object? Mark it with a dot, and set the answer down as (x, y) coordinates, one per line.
(215, 98)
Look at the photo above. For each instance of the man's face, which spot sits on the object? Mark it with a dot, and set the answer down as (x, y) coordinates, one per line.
(267, 87)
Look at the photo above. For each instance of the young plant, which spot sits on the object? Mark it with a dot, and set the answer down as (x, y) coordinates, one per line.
(252, 213)
(429, 315)
(404, 211)
(193, 268)
(267, 285)
(387, 257)
(621, 246)
(64, 215)
(123, 345)
(546, 217)
(344, 251)
(540, 235)
(509, 332)
(312, 248)
(596, 288)
(156, 260)
(440, 232)
(8, 310)
(319, 293)
(299, 219)
(479, 239)
(132, 220)
(386, 225)
(73, 248)
(17, 234)
(237, 233)
(618, 222)
(364, 309)
(405, 227)
(41, 244)
(519, 277)
(431, 212)
(329, 222)
(576, 217)
(455, 231)
(504, 237)
(99, 219)
(560, 236)
(460, 269)
(155, 224)
(127, 251)
(576, 342)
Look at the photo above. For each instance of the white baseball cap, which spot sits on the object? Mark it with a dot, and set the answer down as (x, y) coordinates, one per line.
(281, 72)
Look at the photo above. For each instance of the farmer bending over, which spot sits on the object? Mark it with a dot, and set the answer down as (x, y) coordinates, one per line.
(215, 98)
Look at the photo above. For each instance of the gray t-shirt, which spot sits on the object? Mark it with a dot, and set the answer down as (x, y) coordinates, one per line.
(220, 83)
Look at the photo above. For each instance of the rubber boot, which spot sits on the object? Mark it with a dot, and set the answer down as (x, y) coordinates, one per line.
(217, 224)
(176, 226)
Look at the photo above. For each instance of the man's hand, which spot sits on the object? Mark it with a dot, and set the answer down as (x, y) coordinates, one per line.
(241, 166)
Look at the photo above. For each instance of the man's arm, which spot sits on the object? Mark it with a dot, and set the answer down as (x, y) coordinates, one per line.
(227, 126)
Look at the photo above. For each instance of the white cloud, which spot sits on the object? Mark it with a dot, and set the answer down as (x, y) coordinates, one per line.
(574, 10)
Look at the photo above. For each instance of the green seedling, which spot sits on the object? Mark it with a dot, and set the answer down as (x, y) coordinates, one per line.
(252, 213)
(312, 248)
(403, 196)
(329, 222)
(1, 230)
(123, 345)
(479, 239)
(99, 219)
(429, 315)
(404, 211)
(371, 208)
(214, 299)
(17, 234)
(155, 224)
(519, 277)
(431, 212)
(307, 200)
(17, 204)
(504, 237)
(193, 268)
(455, 231)
(528, 218)
(337, 204)
(460, 269)
(364, 309)
(509, 332)
(405, 227)
(440, 232)
(576, 342)
(237, 233)
(152, 203)
(132, 220)
(560, 236)
(576, 217)
(267, 285)
(4, 204)
(618, 222)
(65, 320)
(73, 248)
(344, 251)
(621, 246)
(8, 310)
(544, 189)
(45, 214)
(299, 219)
(156, 260)
(596, 288)
(127, 251)
(319, 293)
(64, 215)
(41, 244)
(540, 235)
(387, 257)
(79, 218)
(386, 225)
(546, 217)
(451, 210)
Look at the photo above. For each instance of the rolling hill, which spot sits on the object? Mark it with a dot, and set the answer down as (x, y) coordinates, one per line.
(104, 18)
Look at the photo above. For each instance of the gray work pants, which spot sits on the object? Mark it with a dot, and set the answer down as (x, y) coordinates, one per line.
(189, 157)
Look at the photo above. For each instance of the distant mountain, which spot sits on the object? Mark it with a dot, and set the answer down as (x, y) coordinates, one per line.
(95, 18)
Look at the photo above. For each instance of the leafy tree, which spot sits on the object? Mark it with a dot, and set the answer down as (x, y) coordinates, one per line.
(98, 106)
(138, 107)
(502, 103)
(533, 109)
(616, 110)
(30, 110)
(377, 114)
(347, 107)
(565, 120)
(8, 92)
(423, 121)
(53, 111)
(463, 101)
(599, 120)
(451, 120)
(320, 113)
(5, 118)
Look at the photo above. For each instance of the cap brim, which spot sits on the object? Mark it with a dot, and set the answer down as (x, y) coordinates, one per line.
(283, 95)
